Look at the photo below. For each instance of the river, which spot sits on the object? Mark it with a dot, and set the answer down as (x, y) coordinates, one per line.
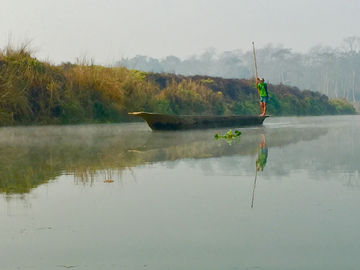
(120, 196)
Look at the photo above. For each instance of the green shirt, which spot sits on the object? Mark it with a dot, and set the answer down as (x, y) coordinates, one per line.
(263, 89)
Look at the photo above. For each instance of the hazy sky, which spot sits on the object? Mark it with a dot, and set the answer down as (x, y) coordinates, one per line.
(107, 30)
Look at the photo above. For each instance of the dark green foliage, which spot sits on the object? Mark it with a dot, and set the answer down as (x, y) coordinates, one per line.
(239, 97)
(229, 136)
(342, 106)
(286, 100)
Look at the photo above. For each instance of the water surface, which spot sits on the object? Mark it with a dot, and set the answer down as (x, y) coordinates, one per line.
(285, 196)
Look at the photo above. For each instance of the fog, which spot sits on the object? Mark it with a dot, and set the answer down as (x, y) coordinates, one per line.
(108, 30)
(333, 71)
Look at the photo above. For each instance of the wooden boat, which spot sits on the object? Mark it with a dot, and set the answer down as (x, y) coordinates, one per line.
(157, 121)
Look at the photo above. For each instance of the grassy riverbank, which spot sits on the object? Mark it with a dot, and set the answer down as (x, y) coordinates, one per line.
(34, 92)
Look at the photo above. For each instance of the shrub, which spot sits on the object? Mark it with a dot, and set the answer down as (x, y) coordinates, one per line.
(342, 106)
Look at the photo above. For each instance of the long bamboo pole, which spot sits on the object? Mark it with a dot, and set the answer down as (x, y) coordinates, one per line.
(255, 62)
(256, 82)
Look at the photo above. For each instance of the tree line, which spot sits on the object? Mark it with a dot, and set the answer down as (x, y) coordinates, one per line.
(334, 72)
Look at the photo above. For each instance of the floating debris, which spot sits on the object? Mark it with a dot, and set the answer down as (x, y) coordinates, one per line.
(229, 136)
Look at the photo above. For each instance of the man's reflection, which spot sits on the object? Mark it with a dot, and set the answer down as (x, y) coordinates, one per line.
(260, 162)
(262, 154)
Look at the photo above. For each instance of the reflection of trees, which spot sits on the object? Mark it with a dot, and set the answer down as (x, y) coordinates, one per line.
(336, 154)
(33, 156)
(353, 180)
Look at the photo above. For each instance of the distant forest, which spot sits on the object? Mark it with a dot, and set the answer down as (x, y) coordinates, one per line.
(334, 72)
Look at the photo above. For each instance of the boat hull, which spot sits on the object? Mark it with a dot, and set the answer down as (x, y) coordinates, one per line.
(158, 121)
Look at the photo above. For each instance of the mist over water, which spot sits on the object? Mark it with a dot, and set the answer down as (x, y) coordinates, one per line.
(333, 71)
(181, 200)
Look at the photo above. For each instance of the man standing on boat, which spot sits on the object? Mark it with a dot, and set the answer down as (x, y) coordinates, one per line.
(263, 94)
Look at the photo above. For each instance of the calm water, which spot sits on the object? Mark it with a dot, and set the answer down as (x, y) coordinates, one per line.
(286, 196)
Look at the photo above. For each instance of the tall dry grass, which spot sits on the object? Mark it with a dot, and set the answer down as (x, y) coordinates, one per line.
(191, 97)
(34, 92)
